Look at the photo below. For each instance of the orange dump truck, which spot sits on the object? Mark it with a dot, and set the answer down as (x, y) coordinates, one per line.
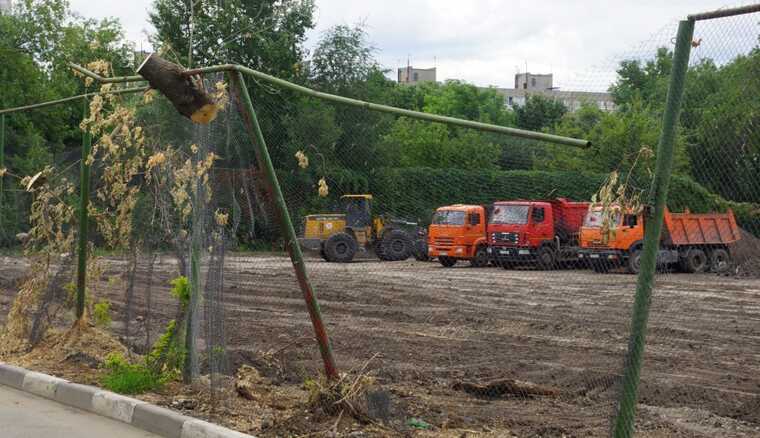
(458, 232)
(693, 242)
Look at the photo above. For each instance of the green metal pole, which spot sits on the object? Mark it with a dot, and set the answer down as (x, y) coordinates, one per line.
(2, 177)
(624, 423)
(84, 200)
(294, 249)
(196, 237)
(71, 98)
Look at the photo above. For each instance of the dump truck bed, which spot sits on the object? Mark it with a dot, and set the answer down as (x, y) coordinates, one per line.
(702, 229)
(568, 215)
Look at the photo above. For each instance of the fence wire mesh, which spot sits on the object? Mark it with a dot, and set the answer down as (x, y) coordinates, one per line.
(450, 280)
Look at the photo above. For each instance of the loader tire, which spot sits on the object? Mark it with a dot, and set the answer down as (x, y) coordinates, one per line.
(340, 248)
(395, 245)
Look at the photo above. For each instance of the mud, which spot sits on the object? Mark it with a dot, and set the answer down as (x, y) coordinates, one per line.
(431, 327)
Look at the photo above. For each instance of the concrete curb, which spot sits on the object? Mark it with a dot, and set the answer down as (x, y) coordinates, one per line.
(140, 414)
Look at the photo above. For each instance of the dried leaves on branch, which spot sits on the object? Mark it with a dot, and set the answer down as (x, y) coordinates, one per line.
(618, 196)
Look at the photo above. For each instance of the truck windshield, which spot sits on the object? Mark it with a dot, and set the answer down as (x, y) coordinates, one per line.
(510, 214)
(448, 217)
(594, 219)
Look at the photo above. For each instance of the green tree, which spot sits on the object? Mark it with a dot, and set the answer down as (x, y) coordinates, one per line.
(539, 113)
(342, 59)
(723, 139)
(644, 80)
(412, 143)
(266, 35)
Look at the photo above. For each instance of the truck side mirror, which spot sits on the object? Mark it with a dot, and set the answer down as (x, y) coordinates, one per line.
(475, 219)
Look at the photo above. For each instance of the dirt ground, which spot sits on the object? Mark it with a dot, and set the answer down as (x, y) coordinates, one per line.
(423, 330)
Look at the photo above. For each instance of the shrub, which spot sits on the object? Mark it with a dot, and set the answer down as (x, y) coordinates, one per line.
(101, 313)
(126, 378)
(181, 290)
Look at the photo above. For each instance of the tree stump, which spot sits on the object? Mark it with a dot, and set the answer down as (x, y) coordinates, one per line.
(169, 78)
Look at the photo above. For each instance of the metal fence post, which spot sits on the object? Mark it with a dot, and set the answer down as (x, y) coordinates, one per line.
(82, 239)
(624, 423)
(294, 250)
(2, 176)
(196, 237)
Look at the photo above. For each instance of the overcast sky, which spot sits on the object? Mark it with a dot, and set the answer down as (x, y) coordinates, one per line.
(484, 41)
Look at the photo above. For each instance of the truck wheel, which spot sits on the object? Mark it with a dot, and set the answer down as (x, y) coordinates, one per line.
(547, 258)
(396, 245)
(481, 258)
(695, 261)
(447, 262)
(720, 260)
(634, 261)
(340, 247)
(322, 253)
(600, 266)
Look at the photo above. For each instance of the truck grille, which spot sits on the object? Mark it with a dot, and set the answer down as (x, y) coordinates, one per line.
(596, 244)
(510, 238)
(444, 241)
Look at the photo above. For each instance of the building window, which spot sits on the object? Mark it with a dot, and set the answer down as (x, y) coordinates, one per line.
(509, 100)
(533, 82)
(416, 76)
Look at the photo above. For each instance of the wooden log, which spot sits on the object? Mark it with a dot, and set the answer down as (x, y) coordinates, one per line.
(504, 387)
(168, 78)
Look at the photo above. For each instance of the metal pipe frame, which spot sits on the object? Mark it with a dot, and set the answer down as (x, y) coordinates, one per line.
(514, 132)
(72, 98)
(286, 224)
(722, 13)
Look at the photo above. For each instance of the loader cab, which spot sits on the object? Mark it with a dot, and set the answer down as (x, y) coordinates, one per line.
(358, 210)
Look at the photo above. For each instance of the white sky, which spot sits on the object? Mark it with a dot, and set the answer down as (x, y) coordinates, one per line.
(484, 41)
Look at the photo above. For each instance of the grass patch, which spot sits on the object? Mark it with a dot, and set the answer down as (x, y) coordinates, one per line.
(125, 378)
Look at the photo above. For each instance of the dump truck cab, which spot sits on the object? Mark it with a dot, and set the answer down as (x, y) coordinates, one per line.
(602, 249)
(693, 242)
(458, 232)
(544, 233)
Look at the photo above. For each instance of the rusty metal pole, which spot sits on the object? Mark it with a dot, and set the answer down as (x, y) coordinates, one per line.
(291, 242)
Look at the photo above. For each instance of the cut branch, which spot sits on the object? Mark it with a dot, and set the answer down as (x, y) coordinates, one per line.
(190, 100)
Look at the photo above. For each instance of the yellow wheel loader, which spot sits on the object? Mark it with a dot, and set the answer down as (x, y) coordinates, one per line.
(339, 237)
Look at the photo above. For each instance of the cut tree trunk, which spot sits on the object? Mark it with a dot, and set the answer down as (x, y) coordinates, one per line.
(168, 78)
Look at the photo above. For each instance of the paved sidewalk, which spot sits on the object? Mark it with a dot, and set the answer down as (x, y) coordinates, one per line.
(24, 415)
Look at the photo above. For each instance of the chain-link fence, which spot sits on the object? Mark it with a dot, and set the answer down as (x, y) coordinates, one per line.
(470, 281)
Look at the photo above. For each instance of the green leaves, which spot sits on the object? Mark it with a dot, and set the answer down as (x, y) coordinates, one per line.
(342, 59)
(265, 35)
(539, 112)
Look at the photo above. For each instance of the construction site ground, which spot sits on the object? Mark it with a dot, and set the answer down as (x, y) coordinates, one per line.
(427, 334)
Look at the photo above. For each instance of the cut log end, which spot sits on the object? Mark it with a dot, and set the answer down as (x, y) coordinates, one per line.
(188, 98)
(206, 114)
